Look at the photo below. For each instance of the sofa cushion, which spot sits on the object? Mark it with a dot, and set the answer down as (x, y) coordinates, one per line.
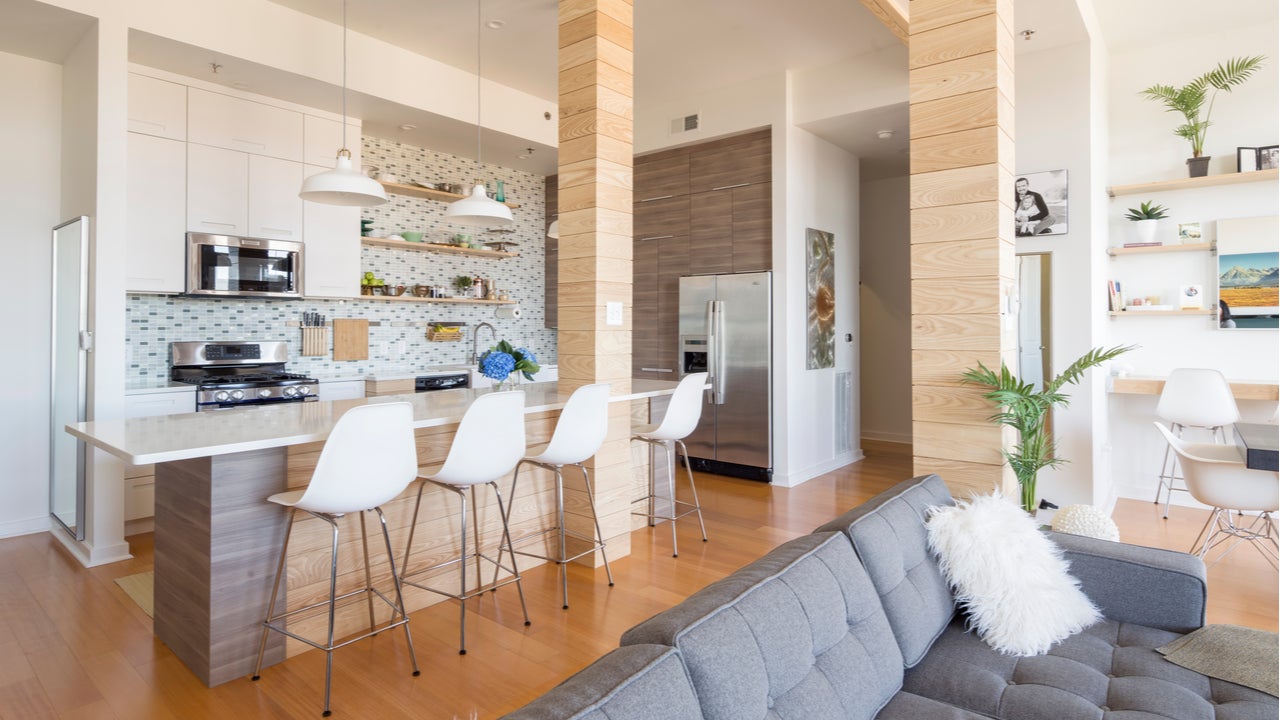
(637, 682)
(796, 635)
(906, 706)
(1110, 671)
(889, 534)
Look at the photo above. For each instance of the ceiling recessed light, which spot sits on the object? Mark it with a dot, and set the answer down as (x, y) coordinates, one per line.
(525, 155)
(1026, 34)
(495, 24)
(407, 127)
(884, 134)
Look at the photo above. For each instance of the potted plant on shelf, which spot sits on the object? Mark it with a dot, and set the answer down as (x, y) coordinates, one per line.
(1189, 100)
(1025, 409)
(462, 284)
(1145, 217)
(499, 361)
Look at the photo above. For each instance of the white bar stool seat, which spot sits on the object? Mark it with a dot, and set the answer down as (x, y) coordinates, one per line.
(368, 460)
(580, 430)
(488, 444)
(1192, 397)
(682, 416)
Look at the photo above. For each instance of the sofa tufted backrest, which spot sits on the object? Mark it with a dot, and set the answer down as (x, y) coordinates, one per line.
(889, 535)
(637, 682)
(795, 635)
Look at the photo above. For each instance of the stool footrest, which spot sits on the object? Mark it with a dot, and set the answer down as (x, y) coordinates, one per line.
(477, 591)
(692, 508)
(391, 624)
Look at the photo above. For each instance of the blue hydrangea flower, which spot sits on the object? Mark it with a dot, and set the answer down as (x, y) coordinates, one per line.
(527, 354)
(497, 365)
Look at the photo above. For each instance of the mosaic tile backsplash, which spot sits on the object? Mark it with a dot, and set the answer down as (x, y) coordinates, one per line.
(153, 321)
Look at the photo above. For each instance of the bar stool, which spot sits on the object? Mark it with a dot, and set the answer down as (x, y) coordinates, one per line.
(682, 416)
(486, 448)
(1192, 397)
(369, 459)
(580, 430)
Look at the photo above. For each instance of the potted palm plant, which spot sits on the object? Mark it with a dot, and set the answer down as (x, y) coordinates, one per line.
(1189, 100)
(1022, 407)
(1145, 217)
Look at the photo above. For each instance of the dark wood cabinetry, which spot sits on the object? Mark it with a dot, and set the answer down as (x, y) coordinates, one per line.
(740, 160)
(664, 174)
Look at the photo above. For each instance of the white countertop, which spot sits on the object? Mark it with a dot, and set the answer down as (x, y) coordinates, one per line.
(140, 441)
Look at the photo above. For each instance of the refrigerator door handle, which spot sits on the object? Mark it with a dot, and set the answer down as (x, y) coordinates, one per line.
(721, 358)
(712, 347)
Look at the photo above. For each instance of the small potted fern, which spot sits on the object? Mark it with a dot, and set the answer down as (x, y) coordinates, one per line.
(1145, 218)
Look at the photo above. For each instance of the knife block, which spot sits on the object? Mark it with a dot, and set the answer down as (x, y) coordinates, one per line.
(315, 340)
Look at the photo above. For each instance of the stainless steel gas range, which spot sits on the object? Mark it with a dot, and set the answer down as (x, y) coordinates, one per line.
(239, 374)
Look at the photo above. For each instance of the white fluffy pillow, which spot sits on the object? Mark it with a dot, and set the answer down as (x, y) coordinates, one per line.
(1011, 579)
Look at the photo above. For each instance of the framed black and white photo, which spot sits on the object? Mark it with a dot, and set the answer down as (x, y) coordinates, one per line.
(1269, 157)
(1246, 159)
(1040, 203)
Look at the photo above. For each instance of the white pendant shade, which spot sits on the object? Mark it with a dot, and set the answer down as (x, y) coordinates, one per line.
(478, 209)
(343, 185)
(553, 232)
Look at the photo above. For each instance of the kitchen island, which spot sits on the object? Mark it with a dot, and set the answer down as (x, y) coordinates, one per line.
(217, 540)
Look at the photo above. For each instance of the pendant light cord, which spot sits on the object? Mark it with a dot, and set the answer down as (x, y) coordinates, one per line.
(479, 34)
(344, 75)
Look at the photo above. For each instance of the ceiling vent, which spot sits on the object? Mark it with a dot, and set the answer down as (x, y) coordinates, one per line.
(684, 124)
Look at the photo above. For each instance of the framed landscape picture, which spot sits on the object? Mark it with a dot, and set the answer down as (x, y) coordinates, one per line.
(1040, 203)
(1248, 263)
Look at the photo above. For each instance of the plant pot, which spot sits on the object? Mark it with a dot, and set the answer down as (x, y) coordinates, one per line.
(1198, 166)
(1144, 231)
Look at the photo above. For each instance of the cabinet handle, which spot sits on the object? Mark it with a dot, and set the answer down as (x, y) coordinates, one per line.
(660, 197)
(218, 224)
(278, 231)
(661, 370)
(242, 141)
(730, 187)
(140, 121)
(657, 237)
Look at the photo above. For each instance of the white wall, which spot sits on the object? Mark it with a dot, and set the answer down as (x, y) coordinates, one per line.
(30, 117)
(884, 338)
(1143, 148)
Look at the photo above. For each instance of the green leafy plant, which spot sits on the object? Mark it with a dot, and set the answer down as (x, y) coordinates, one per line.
(1189, 100)
(1147, 211)
(462, 282)
(1020, 406)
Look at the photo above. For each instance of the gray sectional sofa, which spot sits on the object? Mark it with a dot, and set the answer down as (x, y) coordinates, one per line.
(856, 621)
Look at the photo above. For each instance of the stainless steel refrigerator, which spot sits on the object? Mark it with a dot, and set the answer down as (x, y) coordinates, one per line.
(725, 329)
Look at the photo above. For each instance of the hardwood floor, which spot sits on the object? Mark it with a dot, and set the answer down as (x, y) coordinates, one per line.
(72, 644)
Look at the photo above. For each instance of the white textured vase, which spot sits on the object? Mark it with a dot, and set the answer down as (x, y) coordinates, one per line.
(1144, 231)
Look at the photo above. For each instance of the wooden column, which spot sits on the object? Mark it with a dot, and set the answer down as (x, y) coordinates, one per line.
(595, 63)
(962, 250)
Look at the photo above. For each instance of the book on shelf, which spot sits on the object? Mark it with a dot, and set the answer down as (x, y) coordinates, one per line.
(1115, 299)
(1143, 244)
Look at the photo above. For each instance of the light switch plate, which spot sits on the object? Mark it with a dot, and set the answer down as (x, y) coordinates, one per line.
(613, 313)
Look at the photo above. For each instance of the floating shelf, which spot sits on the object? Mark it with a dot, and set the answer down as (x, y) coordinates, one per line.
(426, 193)
(1191, 183)
(434, 247)
(1196, 247)
(1158, 313)
(448, 301)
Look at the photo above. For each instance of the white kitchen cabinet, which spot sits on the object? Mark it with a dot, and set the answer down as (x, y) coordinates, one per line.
(217, 190)
(236, 124)
(155, 218)
(157, 107)
(275, 210)
(322, 138)
(332, 256)
(140, 480)
(341, 390)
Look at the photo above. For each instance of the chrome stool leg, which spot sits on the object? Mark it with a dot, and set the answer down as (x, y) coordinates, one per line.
(404, 613)
(688, 466)
(275, 592)
(506, 537)
(591, 500)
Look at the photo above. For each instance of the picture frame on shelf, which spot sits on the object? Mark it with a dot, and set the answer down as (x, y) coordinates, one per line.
(1269, 157)
(1189, 233)
(1191, 297)
(1246, 159)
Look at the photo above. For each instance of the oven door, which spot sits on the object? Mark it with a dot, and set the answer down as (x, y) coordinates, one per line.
(223, 265)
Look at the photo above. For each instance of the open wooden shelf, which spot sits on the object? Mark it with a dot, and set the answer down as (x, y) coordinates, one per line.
(448, 301)
(1158, 313)
(426, 193)
(1191, 183)
(1192, 247)
(434, 247)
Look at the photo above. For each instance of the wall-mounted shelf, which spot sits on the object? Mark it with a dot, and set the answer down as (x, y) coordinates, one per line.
(1191, 247)
(1192, 183)
(434, 247)
(447, 301)
(1158, 313)
(426, 193)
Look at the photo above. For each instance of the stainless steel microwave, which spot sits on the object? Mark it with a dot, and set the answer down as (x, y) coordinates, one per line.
(228, 266)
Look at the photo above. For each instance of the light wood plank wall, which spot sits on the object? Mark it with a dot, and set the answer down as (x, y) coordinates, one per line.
(962, 251)
(595, 177)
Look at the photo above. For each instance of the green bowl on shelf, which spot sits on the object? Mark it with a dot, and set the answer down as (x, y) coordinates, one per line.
(411, 236)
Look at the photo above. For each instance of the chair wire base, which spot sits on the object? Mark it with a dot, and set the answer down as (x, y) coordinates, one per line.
(1261, 533)
(399, 616)
(669, 446)
(1169, 476)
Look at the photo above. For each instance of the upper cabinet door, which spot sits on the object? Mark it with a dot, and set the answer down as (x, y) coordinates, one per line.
(157, 107)
(155, 223)
(227, 122)
(332, 234)
(661, 218)
(732, 162)
(217, 190)
(322, 139)
(662, 175)
(275, 210)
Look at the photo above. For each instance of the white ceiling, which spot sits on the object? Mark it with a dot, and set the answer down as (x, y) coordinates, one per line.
(35, 30)
(1127, 23)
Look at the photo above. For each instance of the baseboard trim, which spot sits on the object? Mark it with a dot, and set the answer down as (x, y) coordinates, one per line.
(835, 463)
(1148, 492)
(904, 439)
(28, 526)
(139, 526)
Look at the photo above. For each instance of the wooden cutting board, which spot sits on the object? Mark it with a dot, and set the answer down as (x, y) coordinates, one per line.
(350, 339)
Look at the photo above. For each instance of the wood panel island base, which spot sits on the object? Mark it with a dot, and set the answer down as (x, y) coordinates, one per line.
(217, 540)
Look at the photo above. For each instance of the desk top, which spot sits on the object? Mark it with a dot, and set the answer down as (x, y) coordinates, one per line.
(1154, 385)
(140, 441)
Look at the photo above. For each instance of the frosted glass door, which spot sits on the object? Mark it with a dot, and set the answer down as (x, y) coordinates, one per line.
(70, 285)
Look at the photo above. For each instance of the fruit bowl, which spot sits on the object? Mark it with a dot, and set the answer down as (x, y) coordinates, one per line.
(392, 290)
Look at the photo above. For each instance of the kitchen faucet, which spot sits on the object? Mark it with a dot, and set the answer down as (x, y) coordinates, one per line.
(475, 340)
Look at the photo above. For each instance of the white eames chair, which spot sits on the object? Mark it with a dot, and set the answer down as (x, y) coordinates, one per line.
(682, 416)
(580, 430)
(368, 459)
(486, 448)
(1192, 397)
(1218, 477)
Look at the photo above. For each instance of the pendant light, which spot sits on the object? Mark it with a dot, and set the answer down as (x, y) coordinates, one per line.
(343, 185)
(478, 209)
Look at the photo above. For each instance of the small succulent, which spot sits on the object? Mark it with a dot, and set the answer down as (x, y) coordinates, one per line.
(1147, 211)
